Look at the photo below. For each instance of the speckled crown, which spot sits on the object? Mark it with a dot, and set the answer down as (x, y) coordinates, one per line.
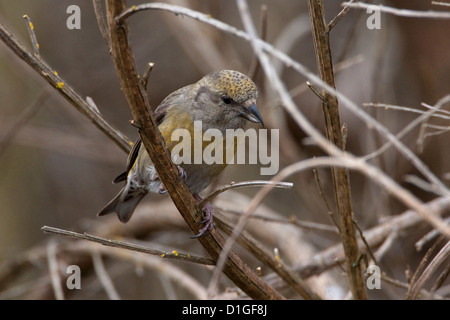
(236, 85)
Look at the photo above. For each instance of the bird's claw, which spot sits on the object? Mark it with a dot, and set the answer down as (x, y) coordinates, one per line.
(162, 189)
(207, 220)
(182, 176)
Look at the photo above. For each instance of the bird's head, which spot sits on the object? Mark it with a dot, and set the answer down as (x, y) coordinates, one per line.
(225, 100)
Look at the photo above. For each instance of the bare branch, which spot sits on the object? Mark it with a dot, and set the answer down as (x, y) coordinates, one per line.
(103, 276)
(440, 258)
(234, 185)
(425, 115)
(340, 176)
(399, 12)
(169, 270)
(33, 38)
(306, 225)
(322, 194)
(54, 270)
(22, 120)
(129, 246)
(254, 65)
(52, 77)
(430, 236)
(339, 16)
(443, 114)
(146, 75)
(438, 3)
(99, 15)
(374, 236)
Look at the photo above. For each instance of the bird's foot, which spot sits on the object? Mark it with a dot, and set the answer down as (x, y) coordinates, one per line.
(207, 218)
(182, 176)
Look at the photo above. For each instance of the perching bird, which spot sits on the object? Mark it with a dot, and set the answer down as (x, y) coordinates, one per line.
(221, 100)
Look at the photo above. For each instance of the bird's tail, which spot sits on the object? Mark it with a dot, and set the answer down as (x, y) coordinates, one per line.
(123, 204)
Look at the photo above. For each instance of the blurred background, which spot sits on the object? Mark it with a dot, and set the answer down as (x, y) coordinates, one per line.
(57, 168)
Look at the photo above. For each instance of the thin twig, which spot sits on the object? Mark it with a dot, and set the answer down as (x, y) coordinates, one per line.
(316, 92)
(364, 240)
(430, 236)
(423, 117)
(437, 114)
(129, 246)
(54, 270)
(440, 258)
(420, 269)
(324, 198)
(255, 66)
(420, 183)
(404, 285)
(440, 280)
(337, 68)
(235, 185)
(167, 286)
(339, 16)
(423, 134)
(146, 75)
(333, 256)
(103, 276)
(21, 121)
(306, 225)
(385, 246)
(32, 33)
(101, 21)
(400, 12)
(172, 272)
(438, 3)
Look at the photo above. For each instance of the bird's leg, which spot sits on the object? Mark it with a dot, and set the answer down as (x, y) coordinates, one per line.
(207, 218)
(182, 176)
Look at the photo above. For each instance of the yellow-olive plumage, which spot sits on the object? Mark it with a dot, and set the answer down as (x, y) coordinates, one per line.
(221, 100)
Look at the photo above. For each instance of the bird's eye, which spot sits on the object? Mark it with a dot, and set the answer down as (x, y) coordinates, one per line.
(226, 99)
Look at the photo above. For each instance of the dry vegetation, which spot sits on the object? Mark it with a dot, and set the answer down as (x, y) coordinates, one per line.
(363, 118)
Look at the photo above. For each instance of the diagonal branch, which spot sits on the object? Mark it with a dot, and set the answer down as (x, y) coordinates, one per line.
(136, 96)
(52, 77)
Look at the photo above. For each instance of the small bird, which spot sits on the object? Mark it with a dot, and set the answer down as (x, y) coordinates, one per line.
(221, 100)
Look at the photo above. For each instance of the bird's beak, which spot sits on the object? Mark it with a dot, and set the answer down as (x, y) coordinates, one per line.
(252, 114)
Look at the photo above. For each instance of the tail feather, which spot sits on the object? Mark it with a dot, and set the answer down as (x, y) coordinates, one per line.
(123, 205)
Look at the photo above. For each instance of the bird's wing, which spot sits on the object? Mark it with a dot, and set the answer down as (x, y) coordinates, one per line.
(172, 98)
(159, 115)
(130, 161)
